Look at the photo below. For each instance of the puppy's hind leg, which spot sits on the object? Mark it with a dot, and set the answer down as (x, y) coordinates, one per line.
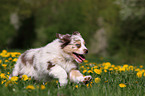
(15, 71)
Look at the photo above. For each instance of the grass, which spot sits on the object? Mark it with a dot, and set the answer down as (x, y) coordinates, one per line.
(108, 80)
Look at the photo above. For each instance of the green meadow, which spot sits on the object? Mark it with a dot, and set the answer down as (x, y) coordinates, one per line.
(108, 80)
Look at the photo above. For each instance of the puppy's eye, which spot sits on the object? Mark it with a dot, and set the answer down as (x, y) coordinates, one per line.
(78, 45)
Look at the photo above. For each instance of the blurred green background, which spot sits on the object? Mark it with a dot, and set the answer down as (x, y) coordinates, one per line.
(111, 28)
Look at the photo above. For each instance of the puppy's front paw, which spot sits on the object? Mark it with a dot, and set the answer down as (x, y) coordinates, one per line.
(63, 82)
(87, 79)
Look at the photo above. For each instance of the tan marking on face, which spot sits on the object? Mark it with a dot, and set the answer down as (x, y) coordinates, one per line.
(74, 74)
(73, 47)
(69, 49)
(78, 45)
(76, 41)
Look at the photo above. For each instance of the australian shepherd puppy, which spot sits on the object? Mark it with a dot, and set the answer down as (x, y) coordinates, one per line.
(59, 59)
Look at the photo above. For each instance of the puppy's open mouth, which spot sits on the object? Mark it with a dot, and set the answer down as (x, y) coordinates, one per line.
(78, 57)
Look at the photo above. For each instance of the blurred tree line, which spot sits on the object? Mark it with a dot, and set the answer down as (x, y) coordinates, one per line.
(118, 24)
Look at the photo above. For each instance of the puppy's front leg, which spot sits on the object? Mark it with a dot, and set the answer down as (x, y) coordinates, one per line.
(58, 72)
(76, 76)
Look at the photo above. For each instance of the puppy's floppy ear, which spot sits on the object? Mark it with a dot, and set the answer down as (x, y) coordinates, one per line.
(64, 38)
(59, 36)
(76, 33)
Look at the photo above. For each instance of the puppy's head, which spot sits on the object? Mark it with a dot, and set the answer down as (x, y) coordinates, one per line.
(74, 45)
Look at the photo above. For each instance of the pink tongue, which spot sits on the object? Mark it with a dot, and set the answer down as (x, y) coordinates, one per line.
(81, 58)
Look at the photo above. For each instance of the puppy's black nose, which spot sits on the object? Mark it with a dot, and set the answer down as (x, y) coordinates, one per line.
(86, 51)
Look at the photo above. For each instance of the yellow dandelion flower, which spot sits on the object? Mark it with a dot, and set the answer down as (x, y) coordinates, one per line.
(29, 78)
(7, 77)
(4, 51)
(14, 78)
(125, 66)
(97, 80)
(112, 66)
(30, 87)
(139, 74)
(4, 65)
(90, 71)
(144, 74)
(137, 69)
(25, 77)
(84, 71)
(42, 87)
(15, 60)
(3, 81)
(7, 83)
(5, 54)
(13, 54)
(10, 59)
(107, 64)
(122, 69)
(17, 53)
(2, 75)
(76, 86)
(46, 83)
(118, 67)
(122, 85)
(141, 66)
(110, 69)
(86, 64)
(106, 81)
(115, 68)
(98, 71)
(90, 85)
(92, 68)
(106, 67)
(87, 85)
(82, 67)
(131, 68)
(85, 61)
(0, 61)
(88, 67)
(95, 67)
(57, 81)
(6, 60)
(105, 71)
